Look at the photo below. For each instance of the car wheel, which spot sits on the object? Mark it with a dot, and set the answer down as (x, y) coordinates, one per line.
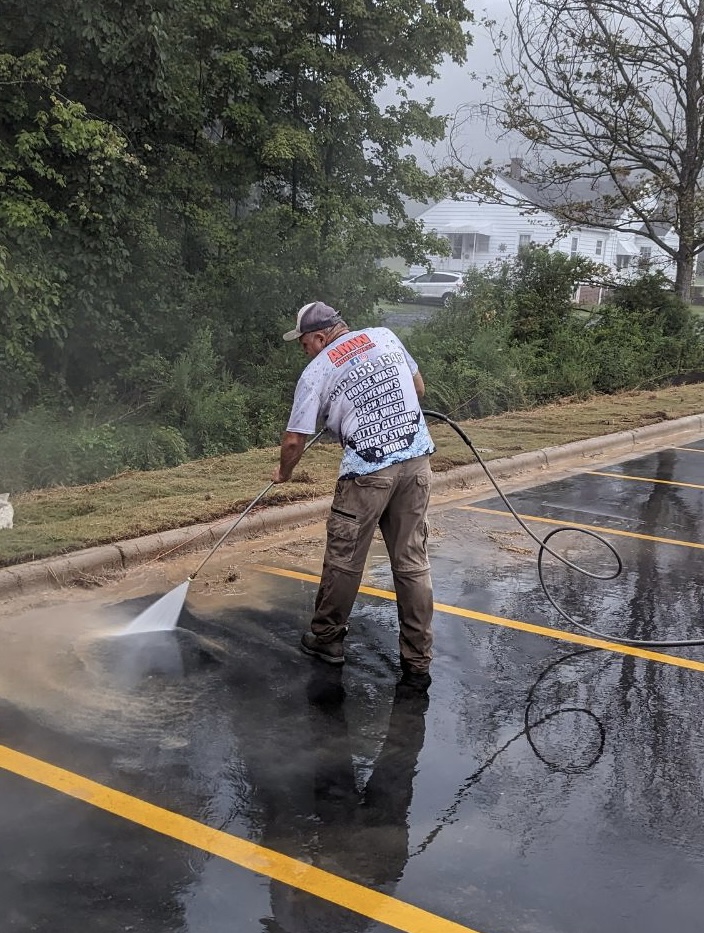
(447, 298)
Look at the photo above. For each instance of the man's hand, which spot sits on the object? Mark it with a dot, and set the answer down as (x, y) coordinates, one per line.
(278, 477)
(292, 447)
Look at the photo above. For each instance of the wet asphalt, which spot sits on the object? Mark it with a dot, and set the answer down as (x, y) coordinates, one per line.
(543, 785)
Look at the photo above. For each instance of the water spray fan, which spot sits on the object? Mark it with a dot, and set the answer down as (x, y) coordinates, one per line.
(164, 613)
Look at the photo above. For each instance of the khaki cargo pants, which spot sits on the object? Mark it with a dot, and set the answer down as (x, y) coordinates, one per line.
(396, 499)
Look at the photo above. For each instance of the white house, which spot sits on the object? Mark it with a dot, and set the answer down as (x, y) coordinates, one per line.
(482, 231)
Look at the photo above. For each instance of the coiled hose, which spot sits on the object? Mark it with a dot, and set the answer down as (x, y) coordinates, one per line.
(544, 549)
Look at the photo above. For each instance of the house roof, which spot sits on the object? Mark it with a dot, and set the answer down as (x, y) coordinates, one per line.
(537, 199)
(661, 229)
(552, 196)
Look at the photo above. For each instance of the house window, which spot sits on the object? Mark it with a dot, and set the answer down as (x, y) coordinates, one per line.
(599, 247)
(456, 241)
(476, 243)
(644, 258)
(524, 241)
(575, 245)
(623, 262)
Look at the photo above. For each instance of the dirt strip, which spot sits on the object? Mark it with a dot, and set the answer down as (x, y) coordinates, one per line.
(73, 569)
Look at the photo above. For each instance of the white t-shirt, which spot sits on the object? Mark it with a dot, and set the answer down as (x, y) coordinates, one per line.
(361, 386)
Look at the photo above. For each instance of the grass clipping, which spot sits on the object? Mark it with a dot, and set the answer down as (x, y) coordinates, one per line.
(55, 521)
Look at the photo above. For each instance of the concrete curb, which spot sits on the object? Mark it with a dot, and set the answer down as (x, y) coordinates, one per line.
(54, 573)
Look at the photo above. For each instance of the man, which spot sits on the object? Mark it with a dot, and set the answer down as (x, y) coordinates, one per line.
(364, 385)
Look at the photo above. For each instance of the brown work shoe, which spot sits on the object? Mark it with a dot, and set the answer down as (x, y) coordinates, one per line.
(414, 678)
(417, 681)
(331, 652)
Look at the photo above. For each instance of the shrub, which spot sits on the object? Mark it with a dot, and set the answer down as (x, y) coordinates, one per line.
(47, 448)
(217, 421)
(564, 368)
(468, 366)
(154, 447)
(541, 285)
(513, 338)
(198, 397)
(36, 450)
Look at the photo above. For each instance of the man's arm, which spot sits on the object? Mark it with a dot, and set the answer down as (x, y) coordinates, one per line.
(292, 447)
(419, 384)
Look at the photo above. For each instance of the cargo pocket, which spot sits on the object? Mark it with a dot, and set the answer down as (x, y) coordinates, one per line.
(423, 479)
(343, 533)
(372, 481)
(422, 493)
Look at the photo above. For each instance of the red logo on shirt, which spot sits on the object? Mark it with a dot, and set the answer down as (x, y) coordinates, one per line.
(348, 349)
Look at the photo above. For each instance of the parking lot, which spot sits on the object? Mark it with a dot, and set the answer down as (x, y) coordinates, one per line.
(215, 779)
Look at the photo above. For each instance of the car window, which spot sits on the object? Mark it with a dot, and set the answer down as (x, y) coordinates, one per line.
(423, 278)
(445, 277)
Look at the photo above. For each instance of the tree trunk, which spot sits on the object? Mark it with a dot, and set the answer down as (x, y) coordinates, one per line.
(685, 252)
(691, 164)
(685, 271)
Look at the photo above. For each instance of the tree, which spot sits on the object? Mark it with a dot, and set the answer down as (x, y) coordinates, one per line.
(252, 161)
(609, 97)
(63, 176)
(542, 285)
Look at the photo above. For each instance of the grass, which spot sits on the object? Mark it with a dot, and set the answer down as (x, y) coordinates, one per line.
(54, 521)
(402, 318)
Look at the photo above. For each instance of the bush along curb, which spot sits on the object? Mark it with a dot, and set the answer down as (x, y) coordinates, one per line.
(54, 573)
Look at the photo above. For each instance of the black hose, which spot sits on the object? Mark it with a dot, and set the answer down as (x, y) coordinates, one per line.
(544, 549)
(449, 815)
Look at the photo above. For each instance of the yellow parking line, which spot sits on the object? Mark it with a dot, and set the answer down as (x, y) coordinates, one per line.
(693, 450)
(644, 479)
(556, 633)
(263, 861)
(599, 528)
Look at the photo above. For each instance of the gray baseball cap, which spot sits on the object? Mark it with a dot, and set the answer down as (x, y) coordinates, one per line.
(314, 316)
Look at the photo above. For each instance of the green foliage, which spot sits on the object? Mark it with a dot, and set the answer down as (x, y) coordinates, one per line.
(169, 165)
(564, 367)
(652, 299)
(467, 362)
(62, 179)
(637, 346)
(46, 448)
(153, 447)
(513, 338)
(178, 178)
(623, 348)
(199, 398)
(542, 285)
(472, 365)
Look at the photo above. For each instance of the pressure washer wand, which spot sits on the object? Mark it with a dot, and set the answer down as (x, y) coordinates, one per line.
(163, 615)
(239, 518)
(230, 529)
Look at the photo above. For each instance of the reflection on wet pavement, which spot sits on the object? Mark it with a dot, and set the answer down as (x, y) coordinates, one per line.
(541, 788)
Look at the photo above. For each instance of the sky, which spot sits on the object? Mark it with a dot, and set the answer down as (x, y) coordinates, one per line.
(456, 88)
